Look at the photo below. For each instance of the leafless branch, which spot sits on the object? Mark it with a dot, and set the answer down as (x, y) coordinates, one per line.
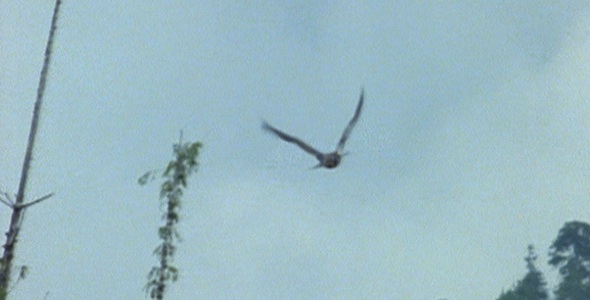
(8, 199)
(36, 201)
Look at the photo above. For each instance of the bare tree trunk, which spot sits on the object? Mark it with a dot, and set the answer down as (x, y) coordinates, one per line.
(18, 207)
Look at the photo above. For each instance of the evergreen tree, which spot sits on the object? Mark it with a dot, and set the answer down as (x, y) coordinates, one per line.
(532, 286)
(508, 295)
(570, 252)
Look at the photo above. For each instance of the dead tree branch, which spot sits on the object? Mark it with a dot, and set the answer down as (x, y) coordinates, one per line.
(18, 206)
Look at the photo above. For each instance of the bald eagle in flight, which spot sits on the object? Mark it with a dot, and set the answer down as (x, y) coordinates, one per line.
(327, 160)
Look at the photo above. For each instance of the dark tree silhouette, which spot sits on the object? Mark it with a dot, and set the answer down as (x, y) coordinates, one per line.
(532, 286)
(570, 252)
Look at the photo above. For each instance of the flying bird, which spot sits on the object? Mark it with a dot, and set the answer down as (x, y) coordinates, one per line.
(327, 160)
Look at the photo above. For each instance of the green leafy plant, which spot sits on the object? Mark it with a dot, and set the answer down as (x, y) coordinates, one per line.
(175, 178)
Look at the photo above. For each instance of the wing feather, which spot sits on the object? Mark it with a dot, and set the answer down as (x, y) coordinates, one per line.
(291, 139)
(351, 124)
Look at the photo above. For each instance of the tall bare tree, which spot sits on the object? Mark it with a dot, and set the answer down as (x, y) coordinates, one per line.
(18, 205)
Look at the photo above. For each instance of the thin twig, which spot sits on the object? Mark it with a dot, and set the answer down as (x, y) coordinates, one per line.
(36, 201)
(7, 203)
(8, 200)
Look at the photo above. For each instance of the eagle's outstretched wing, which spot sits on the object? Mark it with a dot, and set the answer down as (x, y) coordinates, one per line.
(285, 137)
(351, 124)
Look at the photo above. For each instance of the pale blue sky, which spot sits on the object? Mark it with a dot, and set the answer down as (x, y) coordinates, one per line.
(474, 142)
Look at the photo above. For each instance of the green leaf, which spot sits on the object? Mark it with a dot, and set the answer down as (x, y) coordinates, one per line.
(144, 178)
(175, 175)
